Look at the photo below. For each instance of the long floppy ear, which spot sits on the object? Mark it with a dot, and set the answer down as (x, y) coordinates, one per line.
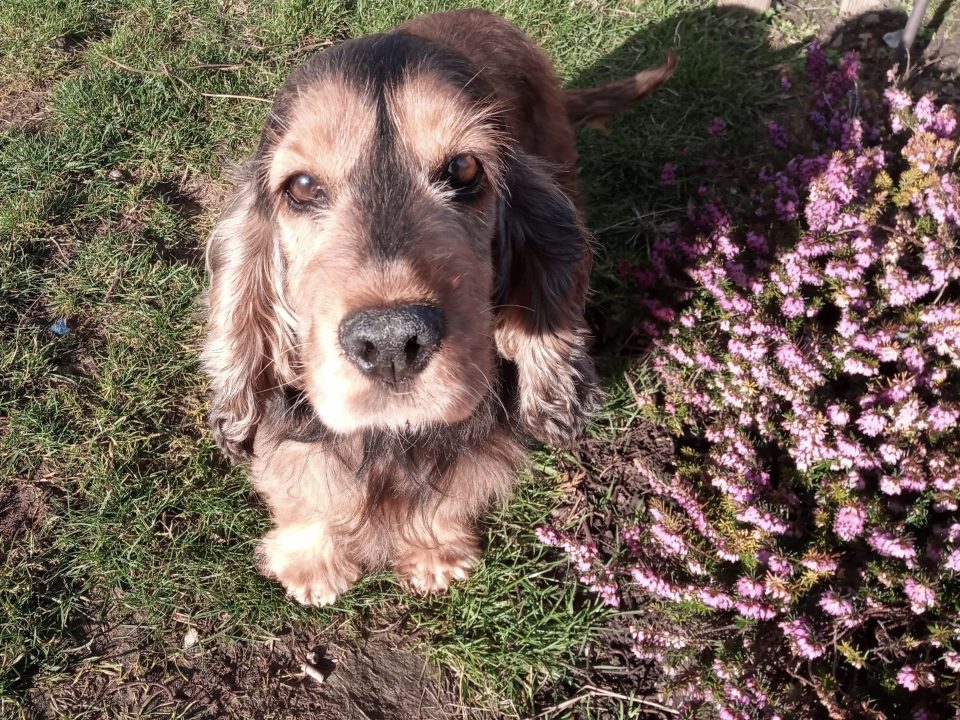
(248, 351)
(544, 268)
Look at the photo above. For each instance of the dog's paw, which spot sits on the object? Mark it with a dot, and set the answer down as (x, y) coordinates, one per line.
(431, 571)
(557, 409)
(315, 591)
(308, 571)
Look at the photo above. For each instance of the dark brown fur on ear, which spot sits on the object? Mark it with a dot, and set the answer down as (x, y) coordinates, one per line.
(248, 347)
(544, 258)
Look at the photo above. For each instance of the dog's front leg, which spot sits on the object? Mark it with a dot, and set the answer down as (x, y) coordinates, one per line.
(443, 550)
(312, 507)
(437, 544)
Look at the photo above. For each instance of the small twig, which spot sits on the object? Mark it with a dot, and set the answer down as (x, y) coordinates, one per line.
(641, 701)
(592, 691)
(166, 73)
(117, 274)
(138, 71)
(226, 67)
(633, 389)
(304, 48)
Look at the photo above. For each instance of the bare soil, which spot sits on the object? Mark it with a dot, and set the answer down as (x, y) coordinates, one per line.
(24, 110)
(23, 508)
(319, 674)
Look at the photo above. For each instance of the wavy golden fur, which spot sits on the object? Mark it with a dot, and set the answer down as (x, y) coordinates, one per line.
(397, 296)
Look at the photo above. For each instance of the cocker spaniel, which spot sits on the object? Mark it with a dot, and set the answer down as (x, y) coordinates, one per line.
(397, 297)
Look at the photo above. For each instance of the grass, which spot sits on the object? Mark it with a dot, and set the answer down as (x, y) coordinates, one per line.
(102, 213)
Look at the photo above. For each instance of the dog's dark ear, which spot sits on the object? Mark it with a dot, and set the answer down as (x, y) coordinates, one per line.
(249, 341)
(544, 261)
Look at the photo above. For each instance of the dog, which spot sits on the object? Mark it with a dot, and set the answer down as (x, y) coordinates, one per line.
(396, 301)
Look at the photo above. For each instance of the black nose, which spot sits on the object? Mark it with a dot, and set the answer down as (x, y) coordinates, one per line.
(392, 344)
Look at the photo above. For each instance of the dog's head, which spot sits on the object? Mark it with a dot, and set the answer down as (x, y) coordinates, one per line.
(358, 260)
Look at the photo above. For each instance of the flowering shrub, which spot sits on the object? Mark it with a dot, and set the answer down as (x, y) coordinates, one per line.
(803, 560)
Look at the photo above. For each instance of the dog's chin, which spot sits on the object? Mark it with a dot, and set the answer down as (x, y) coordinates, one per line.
(409, 409)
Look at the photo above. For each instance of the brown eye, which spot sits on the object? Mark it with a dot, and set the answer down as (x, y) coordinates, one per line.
(463, 172)
(303, 189)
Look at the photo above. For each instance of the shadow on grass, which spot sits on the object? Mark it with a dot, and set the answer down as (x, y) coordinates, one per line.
(727, 70)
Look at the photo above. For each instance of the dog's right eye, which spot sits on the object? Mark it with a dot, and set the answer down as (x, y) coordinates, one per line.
(464, 175)
(303, 189)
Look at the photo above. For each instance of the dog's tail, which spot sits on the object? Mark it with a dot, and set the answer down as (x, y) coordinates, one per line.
(594, 106)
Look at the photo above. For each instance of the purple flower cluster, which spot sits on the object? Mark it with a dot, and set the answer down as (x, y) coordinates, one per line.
(584, 557)
(800, 635)
(807, 330)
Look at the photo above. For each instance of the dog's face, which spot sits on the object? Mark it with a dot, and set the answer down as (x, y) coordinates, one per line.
(384, 203)
(357, 262)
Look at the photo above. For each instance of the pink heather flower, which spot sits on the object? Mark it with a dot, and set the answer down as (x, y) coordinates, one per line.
(941, 418)
(849, 522)
(763, 520)
(668, 174)
(921, 597)
(897, 99)
(856, 366)
(890, 485)
(913, 678)
(778, 135)
(800, 635)
(672, 542)
(725, 712)
(749, 588)
(952, 660)
(756, 611)
(908, 416)
(717, 126)
(715, 599)
(785, 83)
(777, 564)
(838, 415)
(847, 328)
(649, 645)
(953, 561)
(821, 565)
(655, 585)
(631, 538)
(793, 306)
(872, 423)
(607, 590)
(584, 557)
(889, 545)
(835, 606)
(891, 454)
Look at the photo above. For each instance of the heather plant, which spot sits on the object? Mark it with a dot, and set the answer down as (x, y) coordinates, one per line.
(802, 557)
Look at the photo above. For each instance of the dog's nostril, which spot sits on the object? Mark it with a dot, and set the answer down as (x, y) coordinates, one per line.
(369, 351)
(392, 344)
(411, 350)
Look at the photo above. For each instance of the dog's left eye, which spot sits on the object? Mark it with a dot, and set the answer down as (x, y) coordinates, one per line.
(303, 189)
(463, 173)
